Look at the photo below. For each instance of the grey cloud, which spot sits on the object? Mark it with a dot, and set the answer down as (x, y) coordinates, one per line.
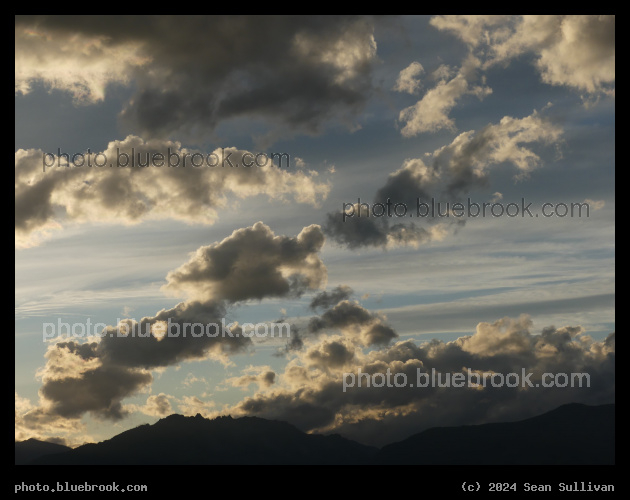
(445, 175)
(577, 51)
(99, 391)
(253, 263)
(76, 381)
(263, 376)
(95, 377)
(356, 232)
(379, 415)
(132, 194)
(295, 343)
(157, 405)
(325, 300)
(146, 350)
(430, 113)
(356, 322)
(333, 354)
(192, 72)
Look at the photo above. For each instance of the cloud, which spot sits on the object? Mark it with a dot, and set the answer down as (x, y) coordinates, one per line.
(338, 315)
(263, 376)
(469, 157)
(310, 393)
(192, 405)
(76, 381)
(573, 51)
(81, 64)
(325, 300)
(129, 195)
(192, 379)
(595, 204)
(577, 51)
(330, 353)
(196, 332)
(442, 175)
(35, 422)
(192, 73)
(157, 405)
(430, 114)
(252, 263)
(355, 321)
(407, 79)
(96, 375)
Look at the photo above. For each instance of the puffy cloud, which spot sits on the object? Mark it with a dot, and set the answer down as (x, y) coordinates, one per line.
(325, 300)
(96, 375)
(192, 405)
(130, 195)
(472, 29)
(263, 376)
(188, 331)
(252, 263)
(414, 179)
(577, 51)
(310, 392)
(296, 72)
(442, 175)
(431, 112)
(407, 79)
(330, 353)
(157, 405)
(32, 421)
(355, 321)
(75, 380)
(469, 157)
(339, 315)
(81, 64)
(574, 51)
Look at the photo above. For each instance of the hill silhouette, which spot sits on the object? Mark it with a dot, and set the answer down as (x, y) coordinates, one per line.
(571, 434)
(29, 450)
(196, 440)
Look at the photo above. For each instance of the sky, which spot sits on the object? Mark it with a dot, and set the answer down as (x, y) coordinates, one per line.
(365, 110)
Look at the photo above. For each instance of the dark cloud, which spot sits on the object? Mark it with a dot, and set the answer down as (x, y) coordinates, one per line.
(192, 72)
(141, 348)
(356, 232)
(450, 172)
(263, 376)
(356, 322)
(377, 415)
(295, 343)
(157, 405)
(330, 354)
(129, 195)
(325, 300)
(99, 391)
(343, 314)
(252, 263)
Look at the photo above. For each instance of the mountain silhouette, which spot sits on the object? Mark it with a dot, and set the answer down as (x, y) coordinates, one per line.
(571, 434)
(29, 450)
(179, 440)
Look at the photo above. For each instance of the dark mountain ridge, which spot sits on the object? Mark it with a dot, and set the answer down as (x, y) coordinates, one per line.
(29, 450)
(571, 434)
